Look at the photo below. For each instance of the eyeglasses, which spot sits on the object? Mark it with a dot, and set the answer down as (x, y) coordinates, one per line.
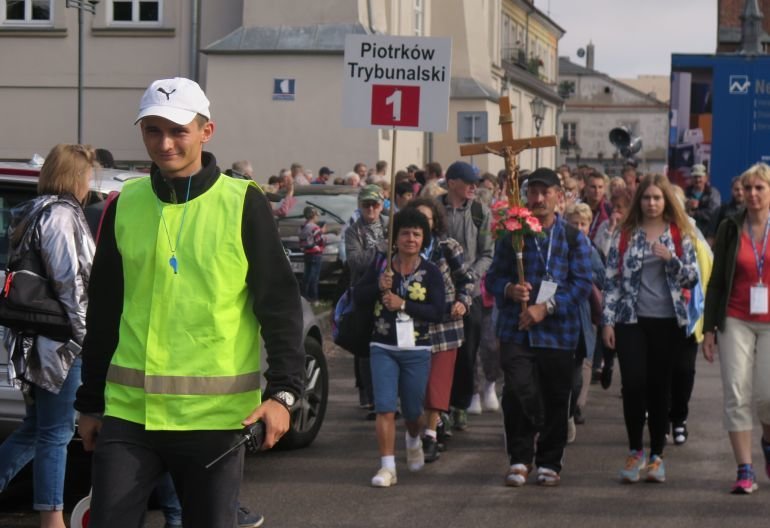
(369, 205)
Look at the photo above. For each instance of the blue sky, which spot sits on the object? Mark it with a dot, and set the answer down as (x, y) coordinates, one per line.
(634, 37)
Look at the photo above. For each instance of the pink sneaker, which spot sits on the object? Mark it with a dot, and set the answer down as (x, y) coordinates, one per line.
(745, 483)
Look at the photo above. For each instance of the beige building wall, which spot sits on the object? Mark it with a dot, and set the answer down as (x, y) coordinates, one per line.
(273, 134)
(38, 86)
(303, 12)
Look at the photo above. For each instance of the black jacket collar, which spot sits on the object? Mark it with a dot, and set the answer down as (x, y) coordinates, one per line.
(175, 190)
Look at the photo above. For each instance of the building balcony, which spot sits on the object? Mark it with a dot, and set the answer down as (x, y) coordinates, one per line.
(517, 57)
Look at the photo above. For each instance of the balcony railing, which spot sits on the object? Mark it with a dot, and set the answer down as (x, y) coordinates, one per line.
(517, 56)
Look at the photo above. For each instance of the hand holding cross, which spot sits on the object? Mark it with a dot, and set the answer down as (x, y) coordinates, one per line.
(510, 148)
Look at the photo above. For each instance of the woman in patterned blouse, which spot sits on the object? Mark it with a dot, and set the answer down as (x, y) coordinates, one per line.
(650, 264)
(405, 301)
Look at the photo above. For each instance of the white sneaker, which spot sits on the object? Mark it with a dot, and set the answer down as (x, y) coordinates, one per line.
(384, 478)
(475, 406)
(571, 430)
(415, 458)
(491, 403)
(517, 475)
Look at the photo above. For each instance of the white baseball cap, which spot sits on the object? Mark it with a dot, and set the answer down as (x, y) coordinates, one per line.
(177, 100)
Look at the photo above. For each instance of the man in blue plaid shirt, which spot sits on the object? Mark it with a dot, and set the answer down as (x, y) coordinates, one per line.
(537, 346)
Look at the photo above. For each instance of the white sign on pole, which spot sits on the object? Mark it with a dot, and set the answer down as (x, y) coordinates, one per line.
(397, 82)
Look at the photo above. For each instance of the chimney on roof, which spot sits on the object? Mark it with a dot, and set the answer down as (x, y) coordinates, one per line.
(590, 55)
(751, 28)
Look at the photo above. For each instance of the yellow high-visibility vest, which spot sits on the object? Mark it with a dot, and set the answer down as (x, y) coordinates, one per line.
(188, 356)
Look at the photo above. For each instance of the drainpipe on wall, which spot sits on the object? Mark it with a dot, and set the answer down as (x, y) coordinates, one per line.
(370, 16)
(195, 39)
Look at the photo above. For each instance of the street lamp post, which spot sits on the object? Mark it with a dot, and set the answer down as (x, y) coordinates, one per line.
(90, 6)
(537, 107)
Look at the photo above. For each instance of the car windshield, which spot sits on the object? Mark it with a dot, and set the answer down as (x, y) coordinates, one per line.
(340, 205)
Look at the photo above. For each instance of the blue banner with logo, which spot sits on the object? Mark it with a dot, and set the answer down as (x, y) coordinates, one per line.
(720, 115)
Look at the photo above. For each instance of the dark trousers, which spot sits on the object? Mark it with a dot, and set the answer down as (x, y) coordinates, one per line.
(465, 365)
(683, 381)
(646, 352)
(577, 374)
(129, 461)
(363, 372)
(311, 276)
(536, 396)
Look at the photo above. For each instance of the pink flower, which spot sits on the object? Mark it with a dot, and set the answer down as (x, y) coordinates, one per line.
(499, 205)
(512, 224)
(514, 211)
(534, 224)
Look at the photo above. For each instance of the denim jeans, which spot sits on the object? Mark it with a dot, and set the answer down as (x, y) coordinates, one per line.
(311, 276)
(43, 437)
(400, 375)
(168, 500)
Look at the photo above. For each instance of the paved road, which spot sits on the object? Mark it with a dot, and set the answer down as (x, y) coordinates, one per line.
(326, 485)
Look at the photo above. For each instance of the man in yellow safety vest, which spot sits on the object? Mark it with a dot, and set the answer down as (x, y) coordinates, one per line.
(188, 272)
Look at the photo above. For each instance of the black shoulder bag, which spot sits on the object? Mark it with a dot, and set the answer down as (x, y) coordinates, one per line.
(28, 303)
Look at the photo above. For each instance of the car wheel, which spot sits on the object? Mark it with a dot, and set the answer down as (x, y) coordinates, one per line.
(307, 419)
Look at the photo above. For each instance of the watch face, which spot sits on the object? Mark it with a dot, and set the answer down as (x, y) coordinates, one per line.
(286, 397)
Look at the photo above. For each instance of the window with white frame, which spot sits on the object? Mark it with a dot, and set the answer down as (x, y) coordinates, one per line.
(419, 17)
(27, 12)
(134, 12)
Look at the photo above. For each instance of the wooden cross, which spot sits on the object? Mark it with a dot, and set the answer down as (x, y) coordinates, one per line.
(510, 149)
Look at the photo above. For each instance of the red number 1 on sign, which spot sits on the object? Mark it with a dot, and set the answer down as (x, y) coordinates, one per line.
(395, 105)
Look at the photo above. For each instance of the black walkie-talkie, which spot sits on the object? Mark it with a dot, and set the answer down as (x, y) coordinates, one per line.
(253, 437)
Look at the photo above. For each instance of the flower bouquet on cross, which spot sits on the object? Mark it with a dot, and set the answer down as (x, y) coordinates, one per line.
(514, 219)
(519, 222)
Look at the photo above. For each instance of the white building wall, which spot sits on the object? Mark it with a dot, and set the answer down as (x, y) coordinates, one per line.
(597, 111)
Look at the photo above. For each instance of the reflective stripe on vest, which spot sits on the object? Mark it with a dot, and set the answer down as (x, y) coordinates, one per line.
(183, 384)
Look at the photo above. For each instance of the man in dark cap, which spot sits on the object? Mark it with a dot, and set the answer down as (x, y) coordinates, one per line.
(537, 345)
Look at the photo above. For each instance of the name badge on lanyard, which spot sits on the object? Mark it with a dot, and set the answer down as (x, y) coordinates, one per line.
(548, 285)
(759, 299)
(404, 330)
(404, 323)
(758, 294)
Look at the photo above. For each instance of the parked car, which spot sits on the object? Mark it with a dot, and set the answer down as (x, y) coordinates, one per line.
(18, 183)
(336, 205)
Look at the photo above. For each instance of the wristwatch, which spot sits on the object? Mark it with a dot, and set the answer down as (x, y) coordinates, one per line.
(550, 306)
(285, 398)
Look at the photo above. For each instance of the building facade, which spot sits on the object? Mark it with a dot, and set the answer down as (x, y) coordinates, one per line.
(126, 45)
(596, 104)
(244, 53)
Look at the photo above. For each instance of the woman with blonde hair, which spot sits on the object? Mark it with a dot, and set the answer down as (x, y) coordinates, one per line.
(650, 265)
(53, 228)
(737, 308)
